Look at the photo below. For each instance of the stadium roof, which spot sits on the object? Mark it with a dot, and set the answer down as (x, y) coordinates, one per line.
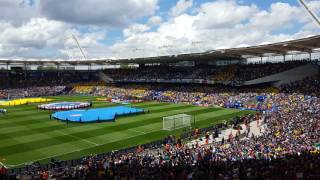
(298, 46)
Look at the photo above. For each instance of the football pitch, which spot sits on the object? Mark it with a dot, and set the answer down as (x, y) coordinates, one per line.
(28, 135)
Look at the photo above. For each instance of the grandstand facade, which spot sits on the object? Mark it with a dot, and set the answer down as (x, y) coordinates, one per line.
(235, 66)
(306, 48)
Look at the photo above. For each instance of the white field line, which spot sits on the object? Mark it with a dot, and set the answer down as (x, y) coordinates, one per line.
(1, 164)
(141, 132)
(84, 140)
(61, 154)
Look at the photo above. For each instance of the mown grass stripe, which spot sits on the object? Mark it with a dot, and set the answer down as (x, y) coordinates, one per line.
(121, 120)
(134, 141)
(34, 121)
(113, 145)
(40, 130)
(26, 122)
(149, 105)
(82, 128)
(31, 122)
(84, 135)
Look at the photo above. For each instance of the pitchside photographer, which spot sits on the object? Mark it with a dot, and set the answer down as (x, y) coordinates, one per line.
(3, 111)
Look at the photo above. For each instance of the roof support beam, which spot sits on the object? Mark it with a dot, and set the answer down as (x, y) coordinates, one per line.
(270, 50)
(311, 13)
(245, 52)
(294, 48)
(303, 47)
(237, 54)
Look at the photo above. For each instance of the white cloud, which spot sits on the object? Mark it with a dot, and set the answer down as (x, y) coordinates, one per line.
(178, 27)
(112, 13)
(280, 15)
(181, 7)
(220, 24)
(40, 30)
(223, 14)
(17, 12)
(36, 30)
(42, 38)
(31, 36)
(135, 29)
(155, 20)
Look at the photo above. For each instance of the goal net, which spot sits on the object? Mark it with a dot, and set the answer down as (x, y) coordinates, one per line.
(176, 121)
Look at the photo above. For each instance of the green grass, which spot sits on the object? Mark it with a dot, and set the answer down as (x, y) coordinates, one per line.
(28, 135)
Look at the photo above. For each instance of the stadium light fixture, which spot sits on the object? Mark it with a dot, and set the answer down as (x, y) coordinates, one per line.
(77, 42)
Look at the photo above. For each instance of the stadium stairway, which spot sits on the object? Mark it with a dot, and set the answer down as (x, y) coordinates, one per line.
(288, 76)
(105, 78)
(255, 130)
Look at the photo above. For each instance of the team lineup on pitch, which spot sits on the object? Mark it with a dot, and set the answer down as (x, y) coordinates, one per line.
(28, 135)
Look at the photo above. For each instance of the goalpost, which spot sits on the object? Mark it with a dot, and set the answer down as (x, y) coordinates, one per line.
(176, 121)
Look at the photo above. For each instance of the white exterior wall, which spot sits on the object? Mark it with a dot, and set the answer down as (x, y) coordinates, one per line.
(288, 76)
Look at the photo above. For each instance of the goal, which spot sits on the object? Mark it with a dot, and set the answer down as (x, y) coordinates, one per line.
(176, 121)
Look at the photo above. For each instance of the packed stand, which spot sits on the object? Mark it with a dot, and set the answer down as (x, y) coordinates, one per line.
(221, 74)
(288, 148)
(85, 88)
(229, 74)
(309, 86)
(33, 91)
(22, 79)
(291, 137)
(215, 95)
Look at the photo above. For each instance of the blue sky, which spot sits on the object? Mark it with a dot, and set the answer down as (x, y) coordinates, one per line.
(265, 4)
(130, 28)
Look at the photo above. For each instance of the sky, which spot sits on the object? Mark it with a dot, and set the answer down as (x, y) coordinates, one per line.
(113, 29)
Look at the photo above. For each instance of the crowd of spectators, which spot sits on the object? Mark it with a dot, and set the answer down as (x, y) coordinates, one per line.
(220, 74)
(229, 73)
(287, 149)
(309, 86)
(82, 89)
(215, 95)
(22, 79)
(92, 88)
(32, 92)
(254, 71)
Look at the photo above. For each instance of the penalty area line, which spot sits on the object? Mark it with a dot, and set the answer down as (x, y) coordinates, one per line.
(141, 132)
(75, 137)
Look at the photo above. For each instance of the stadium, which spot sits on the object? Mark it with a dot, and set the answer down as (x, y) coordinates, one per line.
(242, 112)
